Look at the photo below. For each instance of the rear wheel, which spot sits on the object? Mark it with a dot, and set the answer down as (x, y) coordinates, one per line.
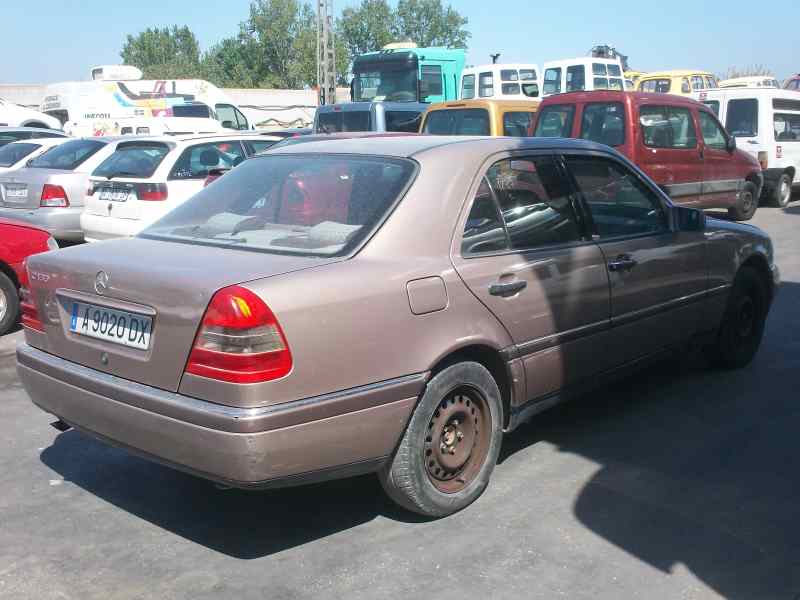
(448, 452)
(746, 203)
(742, 327)
(9, 304)
(781, 195)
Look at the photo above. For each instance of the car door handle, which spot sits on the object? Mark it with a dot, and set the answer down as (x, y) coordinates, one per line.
(623, 262)
(507, 289)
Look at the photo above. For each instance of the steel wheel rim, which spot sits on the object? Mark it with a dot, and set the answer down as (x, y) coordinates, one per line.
(457, 440)
(3, 305)
(785, 191)
(747, 201)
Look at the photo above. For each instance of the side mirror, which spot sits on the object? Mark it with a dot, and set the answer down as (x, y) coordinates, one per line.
(689, 219)
(731, 145)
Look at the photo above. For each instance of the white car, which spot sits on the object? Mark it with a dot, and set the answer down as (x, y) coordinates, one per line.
(14, 115)
(146, 177)
(16, 154)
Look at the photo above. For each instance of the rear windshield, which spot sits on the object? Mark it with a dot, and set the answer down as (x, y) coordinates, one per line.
(11, 154)
(346, 120)
(308, 204)
(555, 121)
(68, 156)
(403, 120)
(742, 117)
(136, 159)
(604, 122)
(458, 121)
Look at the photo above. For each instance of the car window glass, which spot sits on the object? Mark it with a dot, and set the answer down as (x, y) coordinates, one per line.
(697, 82)
(256, 146)
(534, 200)
(599, 69)
(555, 121)
(485, 85)
(11, 154)
(576, 78)
(432, 77)
(713, 105)
(135, 159)
(459, 121)
(616, 84)
(531, 90)
(600, 83)
(787, 127)
(510, 89)
(468, 87)
(713, 135)
(226, 116)
(483, 231)
(614, 71)
(196, 161)
(345, 120)
(517, 124)
(711, 83)
(509, 75)
(742, 117)
(618, 201)
(656, 86)
(527, 75)
(604, 122)
(241, 120)
(403, 120)
(69, 155)
(685, 86)
(552, 81)
(667, 127)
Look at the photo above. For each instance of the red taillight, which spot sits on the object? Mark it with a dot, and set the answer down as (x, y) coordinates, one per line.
(30, 314)
(239, 340)
(152, 192)
(53, 196)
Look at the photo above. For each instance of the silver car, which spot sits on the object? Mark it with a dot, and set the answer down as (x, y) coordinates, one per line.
(49, 192)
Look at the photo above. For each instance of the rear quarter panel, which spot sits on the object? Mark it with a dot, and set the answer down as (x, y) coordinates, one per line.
(17, 243)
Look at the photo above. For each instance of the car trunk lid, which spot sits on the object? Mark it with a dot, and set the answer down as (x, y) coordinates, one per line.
(171, 283)
(23, 188)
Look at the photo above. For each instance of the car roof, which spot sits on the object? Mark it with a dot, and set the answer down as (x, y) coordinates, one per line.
(365, 106)
(56, 132)
(675, 73)
(605, 95)
(530, 104)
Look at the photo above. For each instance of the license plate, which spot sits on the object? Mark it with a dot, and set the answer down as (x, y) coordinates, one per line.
(112, 195)
(16, 191)
(115, 326)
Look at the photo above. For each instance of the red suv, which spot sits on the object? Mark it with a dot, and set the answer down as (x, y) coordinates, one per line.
(677, 141)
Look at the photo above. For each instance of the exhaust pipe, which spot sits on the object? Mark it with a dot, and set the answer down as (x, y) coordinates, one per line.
(61, 425)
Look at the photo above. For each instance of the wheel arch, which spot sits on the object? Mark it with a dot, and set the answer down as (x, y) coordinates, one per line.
(758, 262)
(35, 123)
(9, 272)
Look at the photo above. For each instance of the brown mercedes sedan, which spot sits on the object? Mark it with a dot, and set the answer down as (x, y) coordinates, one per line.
(388, 305)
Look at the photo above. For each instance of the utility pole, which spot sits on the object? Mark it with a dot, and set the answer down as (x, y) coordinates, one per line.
(326, 54)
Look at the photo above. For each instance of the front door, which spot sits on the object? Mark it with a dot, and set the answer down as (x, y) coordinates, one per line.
(657, 275)
(523, 255)
(721, 181)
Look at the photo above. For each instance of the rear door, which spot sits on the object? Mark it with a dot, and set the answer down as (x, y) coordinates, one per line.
(722, 178)
(523, 254)
(656, 274)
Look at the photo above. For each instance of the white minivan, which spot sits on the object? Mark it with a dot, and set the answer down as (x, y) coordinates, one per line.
(500, 81)
(585, 73)
(766, 123)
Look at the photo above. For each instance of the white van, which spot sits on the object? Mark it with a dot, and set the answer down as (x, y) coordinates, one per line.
(751, 81)
(508, 82)
(766, 123)
(96, 107)
(582, 74)
(14, 115)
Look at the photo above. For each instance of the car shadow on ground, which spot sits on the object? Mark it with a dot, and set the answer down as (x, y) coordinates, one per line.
(696, 467)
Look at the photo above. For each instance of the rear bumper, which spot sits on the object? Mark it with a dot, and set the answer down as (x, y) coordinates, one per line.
(322, 437)
(97, 227)
(61, 223)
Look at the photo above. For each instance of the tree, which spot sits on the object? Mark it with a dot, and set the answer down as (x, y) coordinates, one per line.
(428, 23)
(366, 28)
(163, 53)
(751, 70)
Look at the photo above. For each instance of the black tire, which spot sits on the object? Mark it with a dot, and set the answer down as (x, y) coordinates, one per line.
(9, 304)
(413, 478)
(746, 203)
(742, 327)
(781, 194)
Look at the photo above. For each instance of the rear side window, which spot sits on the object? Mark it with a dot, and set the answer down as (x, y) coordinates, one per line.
(604, 122)
(742, 117)
(484, 230)
(667, 127)
(11, 154)
(256, 146)
(345, 120)
(458, 121)
(552, 81)
(403, 120)
(517, 124)
(576, 78)
(196, 161)
(656, 86)
(468, 87)
(555, 121)
(486, 85)
(786, 126)
(134, 159)
(68, 156)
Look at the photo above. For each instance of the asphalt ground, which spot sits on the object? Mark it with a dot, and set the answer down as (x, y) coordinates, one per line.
(681, 482)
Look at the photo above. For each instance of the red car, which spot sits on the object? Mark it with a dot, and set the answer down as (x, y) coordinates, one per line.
(17, 242)
(677, 141)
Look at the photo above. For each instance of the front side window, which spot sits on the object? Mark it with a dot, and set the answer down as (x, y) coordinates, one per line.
(432, 80)
(68, 156)
(555, 121)
(576, 78)
(534, 200)
(11, 154)
(697, 82)
(713, 135)
(604, 122)
(485, 85)
(510, 89)
(133, 159)
(742, 117)
(468, 87)
(307, 204)
(196, 161)
(619, 203)
(667, 127)
(517, 124)
(552, 81)
(458, 121)
(509, 75)
(345, 120)
(713, 105)
(403, 120)
(785, 125)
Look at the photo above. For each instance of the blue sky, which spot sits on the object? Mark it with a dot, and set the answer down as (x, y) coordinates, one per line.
(57, 40)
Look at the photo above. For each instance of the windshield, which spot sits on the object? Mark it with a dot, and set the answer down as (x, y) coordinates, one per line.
(385, 83)
(320, 205)
(742, 117)
(133, 160)
(68, 156)
(11, 154)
